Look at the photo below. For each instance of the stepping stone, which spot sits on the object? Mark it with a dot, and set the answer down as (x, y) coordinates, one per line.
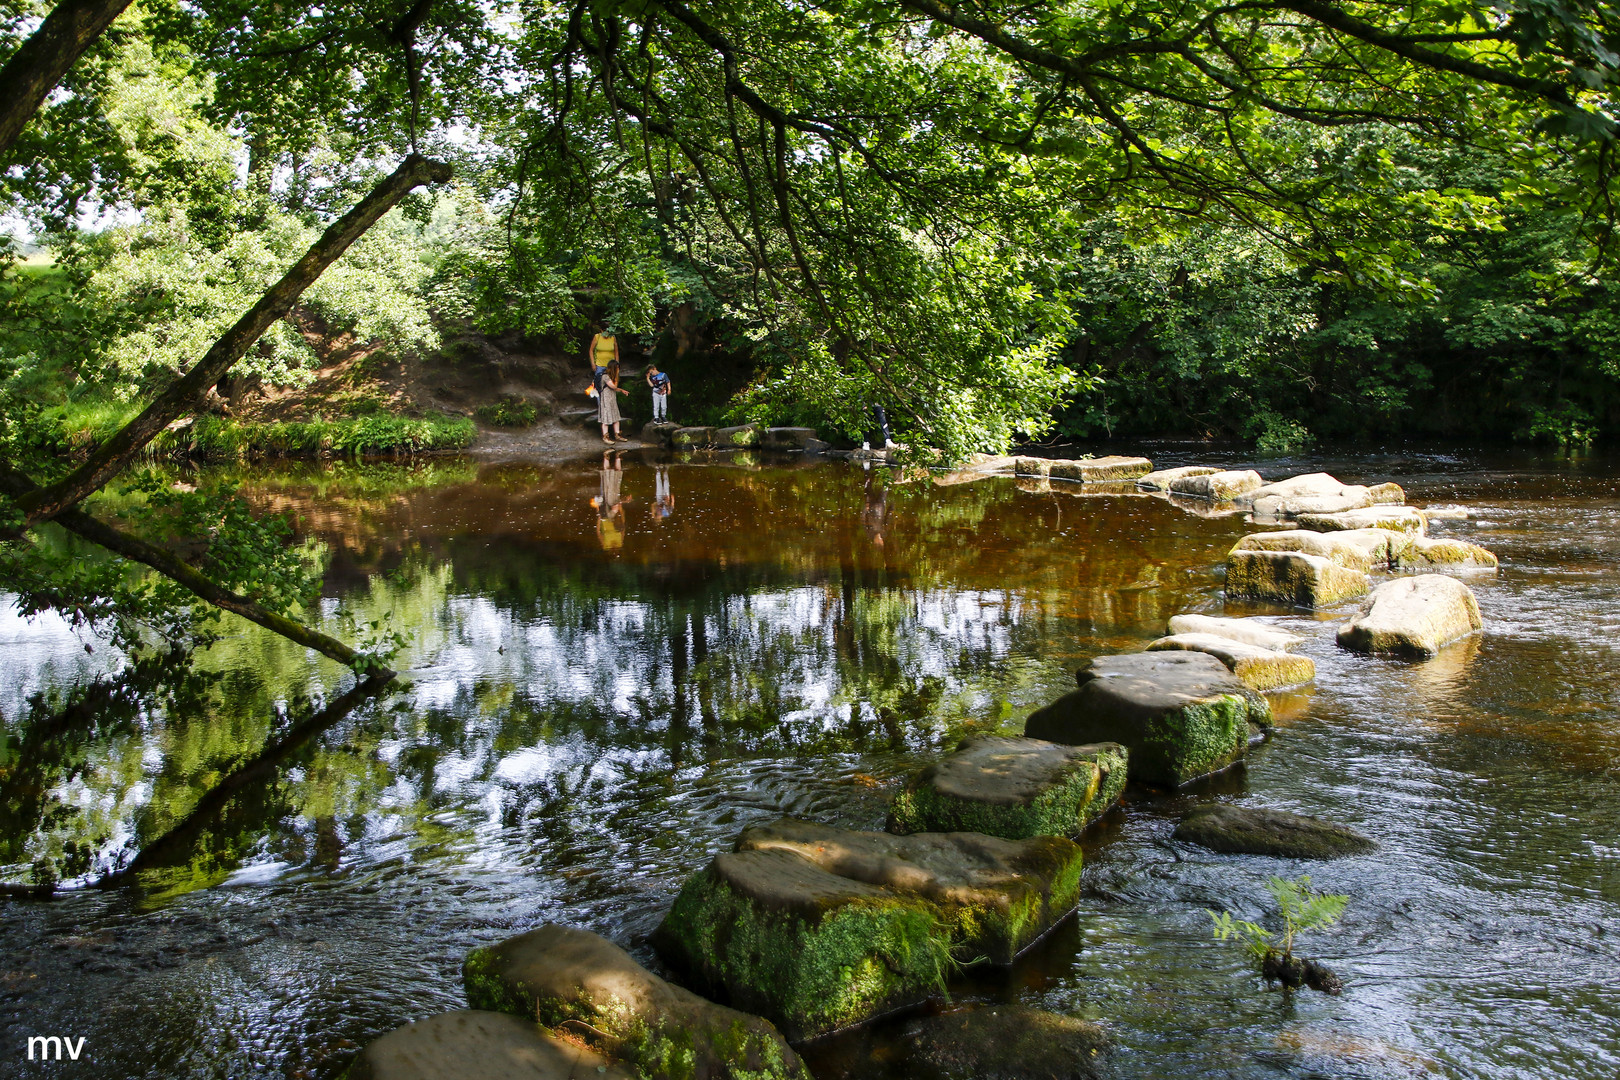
(658, 433)
(1290, 577)
(691, 438)
(993, 897)
(1032, 466)
(1315, 493)
(1407, 519)
(780, 937)
(1414, 616)
(1260, 669)
(1092, 470)
(1365, 550)
(474, 1045)
(1248, 631)
(1424, 552)
(1447, 513)
(789, 438)
(738, 437)
(1161, 479)
(1003, 1042)
(1256, 831)
(1218, 486)
(587, 987)
(1012, 788)
(1180, 714)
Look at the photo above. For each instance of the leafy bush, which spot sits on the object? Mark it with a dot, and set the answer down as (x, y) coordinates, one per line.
(509, 411)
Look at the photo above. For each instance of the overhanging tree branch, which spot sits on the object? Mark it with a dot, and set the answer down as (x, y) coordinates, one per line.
(40, 62)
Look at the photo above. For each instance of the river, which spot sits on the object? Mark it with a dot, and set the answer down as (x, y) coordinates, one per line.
(611, 671)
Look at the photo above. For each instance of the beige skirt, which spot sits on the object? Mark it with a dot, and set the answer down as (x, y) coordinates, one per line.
(607, 406)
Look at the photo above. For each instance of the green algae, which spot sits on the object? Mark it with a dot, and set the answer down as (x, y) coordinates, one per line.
(1062, 810)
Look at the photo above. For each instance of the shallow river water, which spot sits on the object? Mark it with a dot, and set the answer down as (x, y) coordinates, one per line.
(613, 671)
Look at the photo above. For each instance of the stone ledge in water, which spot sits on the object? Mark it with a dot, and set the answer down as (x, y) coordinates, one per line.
(1424, 552)
(1003, 1042)
(743, 435)
(778, 936)
(580, 983)
(473, 1045)
(1180, 715)
(1365, 550)
(1256, 831)
(1248, 631)
(1094, 470)
(993, 897)
(1012, 788)
(1415, 616)
(691, 438)
(658, 432)
(788, 438)
(1291, 577)
(1032, 466)
(1218, 486)
(1316, 493)
(1161, 479)
(1260, 669)
(1407, 519)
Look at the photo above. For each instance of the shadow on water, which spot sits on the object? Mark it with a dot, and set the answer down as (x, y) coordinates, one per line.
(615, 665)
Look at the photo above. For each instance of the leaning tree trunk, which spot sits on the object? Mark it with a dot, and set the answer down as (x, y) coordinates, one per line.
(40, 62)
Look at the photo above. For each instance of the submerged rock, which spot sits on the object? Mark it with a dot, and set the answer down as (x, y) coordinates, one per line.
(1407, 519)
(1290, 577)
(1317, 493)
(1160, 480)
(582, 984)
(1012, 788)
(1414, 616)
(691, 438)
(1260, 669)
(741, 436)
(1180, 714)
(1217, 486)
(1365, 550)
(993, 897)
(1003, 1042)
(1424, 552)
(1248, 631)
(1257, 831)
(473, 1045)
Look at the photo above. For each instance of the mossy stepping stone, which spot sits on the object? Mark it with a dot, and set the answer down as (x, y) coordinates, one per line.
(776, 935)
(1180, 714)
(1290, 577)
(474, 1045)
(1012, 788)
(580, 983)
(1366, 550)
(993, 897)
(1257, 831)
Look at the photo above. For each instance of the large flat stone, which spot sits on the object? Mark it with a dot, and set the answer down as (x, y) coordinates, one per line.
(579, 982)
(1180, 714)
(1290, 577)
(1311, 493)
(778, 936)
(998, 1041)
(1218, 486)
(1257, 831)
(1407, 519)
(1260, 669)
(1160, 479)
(993, 897)
(1248, 631)
(1366, 550)
(788, 438)
(1032, 466)
(1094, 470)
(739, 437)
(1414, 616)
(658, 432)
(474, 1045)
(1012, 788)
(1425, 552)
(691, 438)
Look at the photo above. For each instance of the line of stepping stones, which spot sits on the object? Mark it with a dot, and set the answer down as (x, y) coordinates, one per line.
(741, 437)
(807, 929)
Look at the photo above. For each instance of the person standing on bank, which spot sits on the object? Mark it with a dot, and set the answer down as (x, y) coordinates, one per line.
(607, 403)
(661, 386)
(604, 350)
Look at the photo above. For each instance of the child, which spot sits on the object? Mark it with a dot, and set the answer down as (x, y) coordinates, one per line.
(661, 386)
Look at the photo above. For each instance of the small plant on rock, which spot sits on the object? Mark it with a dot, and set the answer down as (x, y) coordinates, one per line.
(509, 410)
(1301, 910)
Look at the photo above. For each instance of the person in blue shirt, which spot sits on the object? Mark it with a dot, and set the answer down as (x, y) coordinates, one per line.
(661, 386)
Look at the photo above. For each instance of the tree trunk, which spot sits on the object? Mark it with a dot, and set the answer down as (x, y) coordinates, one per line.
(39, 64)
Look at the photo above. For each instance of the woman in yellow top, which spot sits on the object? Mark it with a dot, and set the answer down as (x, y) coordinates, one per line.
(604, 350)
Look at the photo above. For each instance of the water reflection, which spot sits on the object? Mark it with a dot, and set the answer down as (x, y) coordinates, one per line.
(585, 722)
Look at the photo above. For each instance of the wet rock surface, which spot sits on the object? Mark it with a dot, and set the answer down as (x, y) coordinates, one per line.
(475, 1045)
(1258, 831)
(1012, 788)
(1407, 519)
(580, 983)
(1217, 486)
(1414, 617)
(1258, 668)
(993, 897)
(1003, 1042)
(1179, 714)
(1160, 479)
(1247, 631)
(1424, 552)
(1291, 577)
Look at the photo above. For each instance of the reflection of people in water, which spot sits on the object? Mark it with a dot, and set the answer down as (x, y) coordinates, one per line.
(663, 498)
(610, 504)
(875, 514)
